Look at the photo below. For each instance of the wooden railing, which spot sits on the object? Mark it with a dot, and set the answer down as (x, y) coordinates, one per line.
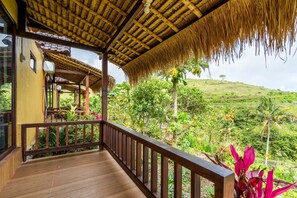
(60, 136)
(60, 115)
(143, 157)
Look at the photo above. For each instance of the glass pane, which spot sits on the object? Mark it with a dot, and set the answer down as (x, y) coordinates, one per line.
(6, 72)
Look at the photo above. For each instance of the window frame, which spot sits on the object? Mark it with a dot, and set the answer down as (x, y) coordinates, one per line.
(32, 57)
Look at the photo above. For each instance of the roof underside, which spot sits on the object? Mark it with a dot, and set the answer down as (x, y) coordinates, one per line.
(76, 71)
(171, 32)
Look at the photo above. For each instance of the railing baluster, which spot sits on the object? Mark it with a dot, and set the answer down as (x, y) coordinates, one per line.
(57, 136)
(124, 148)
(128, 153)
(145, 164)
(67, 138)
(47, 137)
(36, 138)
(164, 177)
(92, 133)
(76, 134)
(177, 180)
(133, 155)
(154, 171)
(195, 185)
(84, 134)
(138, 160)
(119, 144)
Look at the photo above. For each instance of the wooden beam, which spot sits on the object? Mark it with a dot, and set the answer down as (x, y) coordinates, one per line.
(125, 24)
(112, 56)
(69, 72)
(127, 47)
(38, 37)
(104, 85)
(87, 105)
(193, 8)
(148, 31)
(137, 41)
(164, 19)
(79, 95)
(22, 16)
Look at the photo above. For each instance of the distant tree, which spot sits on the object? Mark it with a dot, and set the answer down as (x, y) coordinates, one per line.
(271, 115)
(222, 76)
(178, 75)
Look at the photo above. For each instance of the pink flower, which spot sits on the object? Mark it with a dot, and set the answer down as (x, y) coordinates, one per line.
(242, 164)
(269, 192)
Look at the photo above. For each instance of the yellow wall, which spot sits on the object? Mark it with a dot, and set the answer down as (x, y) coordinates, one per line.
(30, 88)
(12, 8)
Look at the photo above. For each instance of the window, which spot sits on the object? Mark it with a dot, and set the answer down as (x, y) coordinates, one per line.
(7, 86)
(32, 62)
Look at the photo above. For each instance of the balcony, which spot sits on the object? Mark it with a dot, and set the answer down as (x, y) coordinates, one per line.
(128, 164)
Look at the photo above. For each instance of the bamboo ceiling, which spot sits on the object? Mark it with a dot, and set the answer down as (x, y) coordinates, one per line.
(172, 31)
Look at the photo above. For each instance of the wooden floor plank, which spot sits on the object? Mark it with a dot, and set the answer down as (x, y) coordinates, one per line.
(87, 175)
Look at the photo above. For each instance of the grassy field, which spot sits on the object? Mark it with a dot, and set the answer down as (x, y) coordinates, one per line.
(237, 93)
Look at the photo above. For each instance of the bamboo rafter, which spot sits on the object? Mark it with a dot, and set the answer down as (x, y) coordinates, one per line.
(121, 53)
(69, 23)
(148, 31)
(116, 8)
(116, 59)
(164, 19)
(192, 7)
(127, 47)
(137, 41)
(69, 34)
(96, 15)
(68, 12)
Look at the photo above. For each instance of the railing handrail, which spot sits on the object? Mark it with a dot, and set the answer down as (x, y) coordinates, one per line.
(48, 124)
(202, 167)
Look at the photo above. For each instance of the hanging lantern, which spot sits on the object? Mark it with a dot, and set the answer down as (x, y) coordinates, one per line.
(147, 4)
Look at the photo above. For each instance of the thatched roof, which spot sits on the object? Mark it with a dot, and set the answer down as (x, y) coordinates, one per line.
(173, 31)
(75, 71)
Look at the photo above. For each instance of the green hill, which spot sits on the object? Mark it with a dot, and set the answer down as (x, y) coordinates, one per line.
(237, 93)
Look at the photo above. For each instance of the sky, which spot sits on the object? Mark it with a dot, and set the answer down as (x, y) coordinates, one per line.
(276, 73)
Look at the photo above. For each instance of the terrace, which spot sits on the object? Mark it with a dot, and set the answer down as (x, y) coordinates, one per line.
(141, 37)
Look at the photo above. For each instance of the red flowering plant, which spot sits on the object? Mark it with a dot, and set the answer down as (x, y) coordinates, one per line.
(249, 184)
(97, 116)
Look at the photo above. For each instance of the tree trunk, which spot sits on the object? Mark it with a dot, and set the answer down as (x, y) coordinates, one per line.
(209, 73)
(267, 143)
(174, 98)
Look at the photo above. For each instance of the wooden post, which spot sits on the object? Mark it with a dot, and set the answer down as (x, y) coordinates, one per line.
(79, 93)
(87, 95)
(104, 86)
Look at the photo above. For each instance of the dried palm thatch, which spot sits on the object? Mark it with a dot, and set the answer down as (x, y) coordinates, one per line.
(222, 35)
(173, 31)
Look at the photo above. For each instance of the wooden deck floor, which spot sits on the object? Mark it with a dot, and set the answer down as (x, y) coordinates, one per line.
(94, 174)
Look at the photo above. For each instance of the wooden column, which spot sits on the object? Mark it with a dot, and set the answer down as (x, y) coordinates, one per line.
(79, 93)
(104, 85)
(87, 95)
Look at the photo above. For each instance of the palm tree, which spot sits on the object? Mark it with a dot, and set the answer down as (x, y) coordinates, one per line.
(271, 116)
(178, 74)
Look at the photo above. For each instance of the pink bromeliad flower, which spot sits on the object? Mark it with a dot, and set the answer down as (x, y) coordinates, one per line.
(268, 192)
(243, 164)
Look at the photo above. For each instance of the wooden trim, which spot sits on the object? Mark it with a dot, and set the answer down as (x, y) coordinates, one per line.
(38, 37)
(126, 24)
(69, 72)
